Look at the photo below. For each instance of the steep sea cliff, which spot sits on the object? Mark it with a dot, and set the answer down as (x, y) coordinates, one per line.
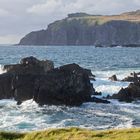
(84, 29)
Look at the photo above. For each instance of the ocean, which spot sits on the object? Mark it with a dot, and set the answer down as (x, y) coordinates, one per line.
(103, 62)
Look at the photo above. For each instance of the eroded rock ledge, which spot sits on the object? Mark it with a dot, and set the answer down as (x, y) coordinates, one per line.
(40, 81)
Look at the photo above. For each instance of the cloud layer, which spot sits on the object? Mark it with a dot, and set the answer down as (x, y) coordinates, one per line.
(21, 16)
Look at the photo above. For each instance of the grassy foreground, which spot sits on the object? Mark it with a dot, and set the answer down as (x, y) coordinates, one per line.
(74, 134)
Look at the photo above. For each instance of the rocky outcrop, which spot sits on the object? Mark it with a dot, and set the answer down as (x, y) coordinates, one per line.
(39, 80)
(129, 94)
(113, 78)
(84, 29)
(134, 77)
(68, 85)
(30, 65)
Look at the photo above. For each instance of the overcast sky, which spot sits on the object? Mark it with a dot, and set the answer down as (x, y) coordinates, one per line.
(19, 17)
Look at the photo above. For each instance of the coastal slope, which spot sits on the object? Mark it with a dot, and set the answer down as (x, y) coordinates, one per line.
(85, 29)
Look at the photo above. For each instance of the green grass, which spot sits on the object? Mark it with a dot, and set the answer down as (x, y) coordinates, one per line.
(74, 134)
(92, 20)
(99, 20)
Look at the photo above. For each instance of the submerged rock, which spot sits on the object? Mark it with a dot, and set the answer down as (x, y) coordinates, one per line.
(97, 100)
(39, 80)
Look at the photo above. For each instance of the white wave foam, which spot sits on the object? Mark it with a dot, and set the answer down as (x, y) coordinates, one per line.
(29, 116)
(122, 73)
(7, 102)
(29, 104)
(1, 69)
(108, 87)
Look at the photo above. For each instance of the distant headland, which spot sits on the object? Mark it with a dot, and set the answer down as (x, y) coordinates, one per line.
(86, 29)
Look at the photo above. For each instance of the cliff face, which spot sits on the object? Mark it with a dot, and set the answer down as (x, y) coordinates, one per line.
(84, 29)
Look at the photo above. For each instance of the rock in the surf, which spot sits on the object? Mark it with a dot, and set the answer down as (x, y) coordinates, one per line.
(134, 77)
(113, 78)
(129, 94)
(97, 100)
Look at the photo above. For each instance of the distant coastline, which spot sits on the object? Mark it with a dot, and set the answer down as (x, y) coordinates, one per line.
(84, 29)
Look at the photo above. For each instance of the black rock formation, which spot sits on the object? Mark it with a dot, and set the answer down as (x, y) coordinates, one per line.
(40, 81)
(129, 94)
(113, 78)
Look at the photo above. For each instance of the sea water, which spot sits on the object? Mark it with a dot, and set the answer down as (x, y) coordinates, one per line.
(104, 62)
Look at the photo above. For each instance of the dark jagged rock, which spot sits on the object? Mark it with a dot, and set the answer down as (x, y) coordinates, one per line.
(38, 80)
(19, 80)
(24, 86)
(72, 86)
(6, 89)
(91, 76)
(85, 29)
(129, 94)
(132, 78)
(113, 78)
(30, 65)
